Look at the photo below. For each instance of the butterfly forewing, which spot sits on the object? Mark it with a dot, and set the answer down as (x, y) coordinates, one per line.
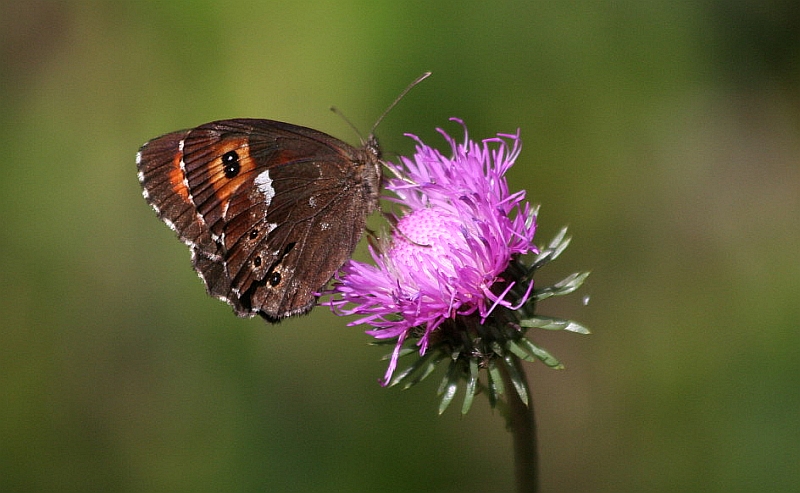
(271, 210)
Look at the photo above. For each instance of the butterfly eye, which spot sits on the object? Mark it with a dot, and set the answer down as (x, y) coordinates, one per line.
(230, 162)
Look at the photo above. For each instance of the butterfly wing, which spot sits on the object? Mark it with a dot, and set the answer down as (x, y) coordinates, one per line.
(270, 210)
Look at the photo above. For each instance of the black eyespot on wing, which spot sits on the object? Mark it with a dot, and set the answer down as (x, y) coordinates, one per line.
(230, 161)
(275, 279)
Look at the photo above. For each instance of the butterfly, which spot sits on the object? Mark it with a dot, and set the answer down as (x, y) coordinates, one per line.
(269, 210)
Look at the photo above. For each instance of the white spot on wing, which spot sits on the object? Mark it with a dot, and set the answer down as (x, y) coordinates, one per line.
(183, 164)
(312, 202)
(264, 184)
(170, 224)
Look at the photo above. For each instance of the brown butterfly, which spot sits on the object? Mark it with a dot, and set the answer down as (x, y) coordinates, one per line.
(270, 210)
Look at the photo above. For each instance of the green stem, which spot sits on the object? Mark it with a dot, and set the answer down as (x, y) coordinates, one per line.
(522, 425)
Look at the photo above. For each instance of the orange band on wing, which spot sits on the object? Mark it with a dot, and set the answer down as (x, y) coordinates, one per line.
(177, 178)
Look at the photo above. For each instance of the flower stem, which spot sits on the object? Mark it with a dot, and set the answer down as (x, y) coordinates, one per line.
(522, 425)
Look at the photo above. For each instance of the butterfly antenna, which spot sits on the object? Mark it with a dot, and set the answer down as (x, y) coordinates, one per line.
(397, 100)
(394, 103)
(347, 121)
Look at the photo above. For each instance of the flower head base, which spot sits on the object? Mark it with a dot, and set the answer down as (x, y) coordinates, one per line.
(449, 280)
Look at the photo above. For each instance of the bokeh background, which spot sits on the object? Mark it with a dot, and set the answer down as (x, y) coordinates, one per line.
(665, 134)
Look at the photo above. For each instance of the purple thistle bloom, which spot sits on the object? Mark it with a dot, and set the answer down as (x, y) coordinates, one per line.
(451, 249)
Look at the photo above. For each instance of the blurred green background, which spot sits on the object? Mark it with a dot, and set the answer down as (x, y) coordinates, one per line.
(665, 134)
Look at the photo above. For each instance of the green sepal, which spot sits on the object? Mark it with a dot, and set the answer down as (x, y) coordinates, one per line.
(449, 385)
(565, 286)
(495, 383)
(520, 352)
(541, 354)
(557, 245)
(497, 348)
(553, 323)
(426, 371)
(406, 372)
(517, 380)
(425, 364)
(403, 352)
(472, 386)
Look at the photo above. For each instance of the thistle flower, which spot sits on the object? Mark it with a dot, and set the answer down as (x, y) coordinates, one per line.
(449, 282)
